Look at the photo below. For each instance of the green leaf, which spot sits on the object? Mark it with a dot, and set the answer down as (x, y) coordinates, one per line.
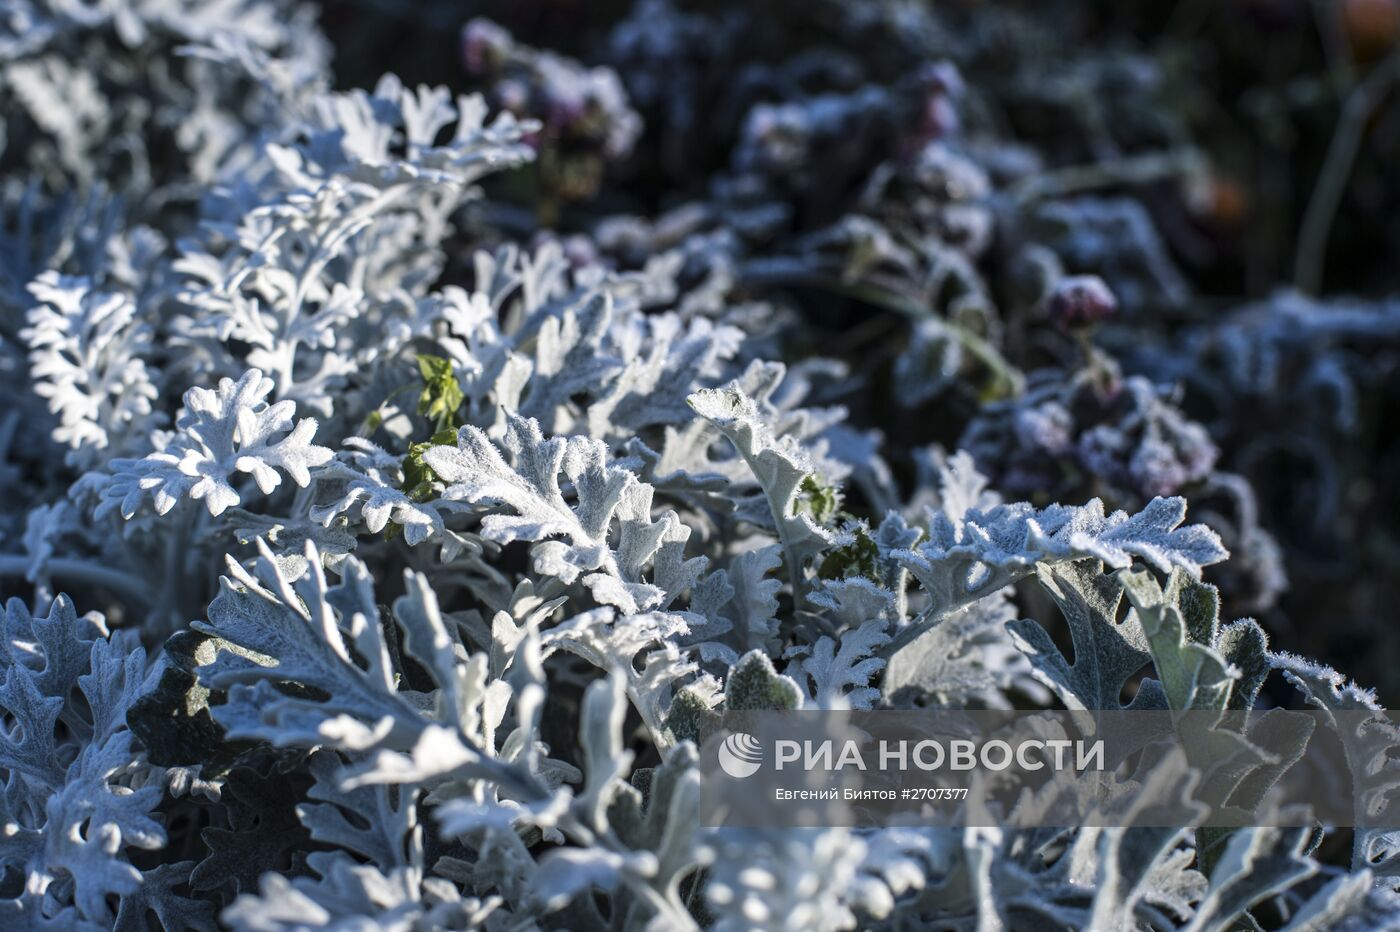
(1107, 653)
(1180, 625)
(818, 499)
(418, 476)
(753, 684)
(860, 557)
(690, 717)
(442, 395)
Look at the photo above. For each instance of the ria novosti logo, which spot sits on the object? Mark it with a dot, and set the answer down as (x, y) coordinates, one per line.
(740, 755)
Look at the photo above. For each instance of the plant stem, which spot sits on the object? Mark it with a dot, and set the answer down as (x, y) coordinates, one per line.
(1311, 252)
(1130, 170)
(133, 590)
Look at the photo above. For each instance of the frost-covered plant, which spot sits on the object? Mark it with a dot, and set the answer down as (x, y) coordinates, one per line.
(78, 792)
(342, 232)
(112, 128)
(106, 94)
(447, 535)
(87, 358)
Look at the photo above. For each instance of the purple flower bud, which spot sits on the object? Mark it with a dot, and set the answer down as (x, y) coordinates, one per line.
(513, 95)
(1081, 301)
(564, 107)
(1155, 468)
(484, 46)
(941, 78)
(939, 119)
(580, 251)
(1045, 427)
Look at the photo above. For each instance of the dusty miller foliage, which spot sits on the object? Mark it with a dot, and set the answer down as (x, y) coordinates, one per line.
(378, 565)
